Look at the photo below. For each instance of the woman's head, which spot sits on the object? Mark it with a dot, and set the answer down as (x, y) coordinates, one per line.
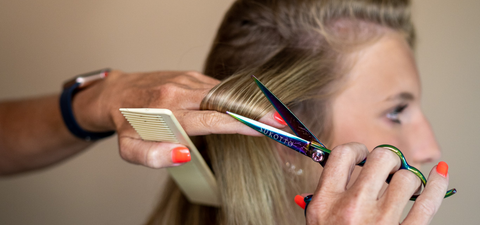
(304, 45)
(320, 47)
(312, 55)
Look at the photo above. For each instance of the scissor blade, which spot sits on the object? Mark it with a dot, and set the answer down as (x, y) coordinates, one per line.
(280, 136)
(293, 122)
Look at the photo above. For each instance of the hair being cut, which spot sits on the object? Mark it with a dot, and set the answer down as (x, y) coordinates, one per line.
(300, 50)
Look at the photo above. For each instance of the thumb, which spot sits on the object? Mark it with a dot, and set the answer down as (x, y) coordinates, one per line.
(151, 154)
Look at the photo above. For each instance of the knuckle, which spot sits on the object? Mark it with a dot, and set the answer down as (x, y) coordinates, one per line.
(344, 149)
(194, 73)
(183, 78)
(152, 159)
(351, 210)
(383, 155)
(348, 149)
(437, 186)
(210, 119)
(407, 177)
(168, 90)
(427, 207)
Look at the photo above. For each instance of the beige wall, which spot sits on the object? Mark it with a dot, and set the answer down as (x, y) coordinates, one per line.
(43, 43)
(448, 55)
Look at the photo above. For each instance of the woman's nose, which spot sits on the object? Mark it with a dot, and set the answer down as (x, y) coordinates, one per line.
(425, 146)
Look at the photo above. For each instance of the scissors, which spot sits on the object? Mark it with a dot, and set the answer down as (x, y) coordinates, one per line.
(307, 144)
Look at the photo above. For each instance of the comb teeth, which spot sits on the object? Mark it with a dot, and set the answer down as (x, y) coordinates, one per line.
(150, 127)
(194, 178)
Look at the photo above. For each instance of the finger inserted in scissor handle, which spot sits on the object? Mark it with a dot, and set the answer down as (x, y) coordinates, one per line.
(404, 165)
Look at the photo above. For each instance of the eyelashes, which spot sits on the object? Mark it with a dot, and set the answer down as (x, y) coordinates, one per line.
(394, 115)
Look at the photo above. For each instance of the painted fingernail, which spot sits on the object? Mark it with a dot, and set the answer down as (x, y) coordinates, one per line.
(279, 118)
(442, 168)
(181, 155)
(300, 202)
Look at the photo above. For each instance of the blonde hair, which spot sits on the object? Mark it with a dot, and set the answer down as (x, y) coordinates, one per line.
(298, 49)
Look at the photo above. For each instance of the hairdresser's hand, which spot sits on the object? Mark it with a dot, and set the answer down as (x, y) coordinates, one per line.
(97, 109)
(364, 202)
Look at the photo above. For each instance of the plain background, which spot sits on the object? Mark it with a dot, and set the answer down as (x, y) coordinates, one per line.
(43, 43)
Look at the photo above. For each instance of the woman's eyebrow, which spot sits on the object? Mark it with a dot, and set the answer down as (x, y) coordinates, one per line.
(403, 96)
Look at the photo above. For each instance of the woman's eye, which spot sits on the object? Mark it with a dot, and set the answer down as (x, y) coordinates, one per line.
(394, 115)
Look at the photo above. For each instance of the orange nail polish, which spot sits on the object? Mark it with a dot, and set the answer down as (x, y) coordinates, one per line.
(279, 118)
(180, 155)
(442, 168)
(300, 202)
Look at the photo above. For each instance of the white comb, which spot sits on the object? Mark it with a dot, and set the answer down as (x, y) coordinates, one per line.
(194, 178)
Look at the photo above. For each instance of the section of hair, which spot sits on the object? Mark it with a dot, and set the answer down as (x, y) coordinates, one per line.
(253, 31)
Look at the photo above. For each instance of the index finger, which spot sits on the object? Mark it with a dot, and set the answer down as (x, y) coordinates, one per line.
(213, 122)
(340, 164)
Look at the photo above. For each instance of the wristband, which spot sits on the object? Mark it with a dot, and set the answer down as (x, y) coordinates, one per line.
(70, 88)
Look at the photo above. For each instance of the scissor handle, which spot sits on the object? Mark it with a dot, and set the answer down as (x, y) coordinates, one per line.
(404, 165)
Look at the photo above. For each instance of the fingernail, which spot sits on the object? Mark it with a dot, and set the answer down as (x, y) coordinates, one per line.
(279, 118)
(180, 155)
(300, 202)
(442, 168)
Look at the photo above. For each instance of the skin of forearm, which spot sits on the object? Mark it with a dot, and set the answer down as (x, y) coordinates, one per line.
(33, 135)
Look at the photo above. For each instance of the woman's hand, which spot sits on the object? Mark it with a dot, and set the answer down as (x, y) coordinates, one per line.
(97, 109)
(364, 202)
